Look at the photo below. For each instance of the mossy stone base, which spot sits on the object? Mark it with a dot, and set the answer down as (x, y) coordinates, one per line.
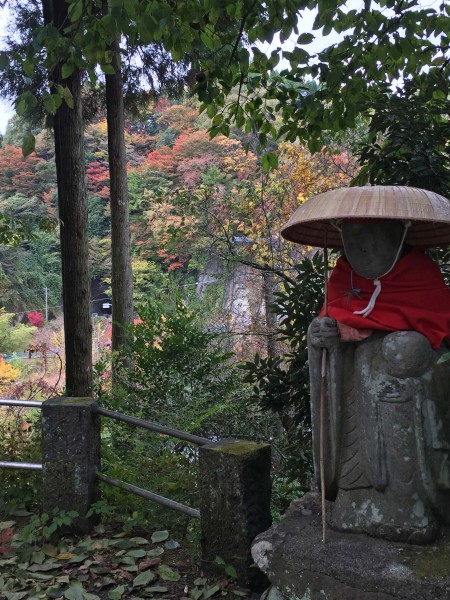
(235, 488)
(70, 457)
(348, 566)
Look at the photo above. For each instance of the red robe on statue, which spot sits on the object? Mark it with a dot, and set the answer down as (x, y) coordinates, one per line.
(413, 297)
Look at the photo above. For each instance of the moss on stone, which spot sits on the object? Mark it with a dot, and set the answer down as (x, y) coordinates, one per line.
(239, 447)
(431, 562)
(70, 401)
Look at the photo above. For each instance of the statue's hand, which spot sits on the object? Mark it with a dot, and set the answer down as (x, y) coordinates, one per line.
(323, 332)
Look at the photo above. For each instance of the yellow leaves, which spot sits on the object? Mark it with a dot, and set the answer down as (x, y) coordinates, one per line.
(57, 337)
(166, 332)
(101, 128)
(238, 162)
(308, 174)
(157, 343)
(65, 556)
(164, 222)
(101, 155)
(145, 273)
(254, 211)
(8, 374)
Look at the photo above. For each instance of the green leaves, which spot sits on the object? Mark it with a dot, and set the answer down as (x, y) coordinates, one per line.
(168, 574)
(27, 101)
(67, 69)
(409, 137)
(144, 578)
(160, 536)
(75, 592)
(207, 40)
(116, 593)
(375, 48)
(138, 553)
(52, 102)
(281, 383)
(269, 161)
(108, 69)
(66, 95)
(4, 61)
(305, 38)
(28, 144)
(75, 10)
(99, 571)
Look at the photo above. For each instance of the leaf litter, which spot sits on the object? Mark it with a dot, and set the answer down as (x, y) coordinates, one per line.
(105, 566)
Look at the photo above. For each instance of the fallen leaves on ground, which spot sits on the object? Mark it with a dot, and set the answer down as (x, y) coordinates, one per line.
(105, 566)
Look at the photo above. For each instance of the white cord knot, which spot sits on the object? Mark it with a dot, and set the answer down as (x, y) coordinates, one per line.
(365, 312)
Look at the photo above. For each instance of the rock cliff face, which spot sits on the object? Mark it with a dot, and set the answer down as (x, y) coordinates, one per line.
(243, 299)
(242, 309)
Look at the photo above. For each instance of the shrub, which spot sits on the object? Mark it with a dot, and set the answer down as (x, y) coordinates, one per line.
(179, 377)
(20, 433)
(36, 318)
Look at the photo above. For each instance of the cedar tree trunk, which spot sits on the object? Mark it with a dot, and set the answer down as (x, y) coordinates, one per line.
(73, 215)
(122, 277)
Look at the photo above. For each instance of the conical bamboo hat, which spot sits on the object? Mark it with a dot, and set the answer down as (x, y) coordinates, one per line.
(428, 212)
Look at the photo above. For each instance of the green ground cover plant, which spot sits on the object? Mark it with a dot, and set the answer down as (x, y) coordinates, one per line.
(40, 561)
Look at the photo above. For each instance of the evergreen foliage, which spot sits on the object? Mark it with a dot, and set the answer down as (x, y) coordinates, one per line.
(181, 378)
(281, 384)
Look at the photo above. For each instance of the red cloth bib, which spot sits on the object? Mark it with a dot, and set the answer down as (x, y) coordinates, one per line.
(413, 296)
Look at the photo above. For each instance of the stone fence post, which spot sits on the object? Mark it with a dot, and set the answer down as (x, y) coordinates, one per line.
(70, 457)
(235, 489)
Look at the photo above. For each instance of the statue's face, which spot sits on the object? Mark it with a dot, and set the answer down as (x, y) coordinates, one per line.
(371, 248)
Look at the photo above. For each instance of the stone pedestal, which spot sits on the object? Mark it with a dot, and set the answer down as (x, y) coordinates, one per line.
(70, 457)
(348, 566)
(235, 490)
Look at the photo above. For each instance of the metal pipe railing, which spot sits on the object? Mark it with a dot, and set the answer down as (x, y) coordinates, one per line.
(25, 403)
(155, 427)
(20, 465)
(187, 510)
(181, 435)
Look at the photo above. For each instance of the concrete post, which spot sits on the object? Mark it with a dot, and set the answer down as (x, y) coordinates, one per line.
(70, 457)
(235, 488)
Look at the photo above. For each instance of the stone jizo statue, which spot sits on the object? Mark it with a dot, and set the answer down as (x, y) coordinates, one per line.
(387, 396)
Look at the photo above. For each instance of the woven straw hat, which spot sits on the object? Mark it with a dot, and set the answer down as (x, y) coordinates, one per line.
(428, 212)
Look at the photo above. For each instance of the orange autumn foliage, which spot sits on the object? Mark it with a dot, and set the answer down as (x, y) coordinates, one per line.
(192, 144)
(162, 159)
(18, 174)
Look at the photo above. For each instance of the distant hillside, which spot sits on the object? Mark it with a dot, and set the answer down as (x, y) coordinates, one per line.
(192, 200)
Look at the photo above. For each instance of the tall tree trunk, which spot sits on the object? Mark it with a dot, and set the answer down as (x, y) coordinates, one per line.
(122, 277)
(73, 215)
(271, 319)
